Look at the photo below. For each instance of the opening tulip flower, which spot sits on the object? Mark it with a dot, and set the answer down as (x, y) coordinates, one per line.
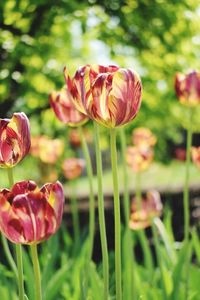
(64, 109)
(150, 207)
(30, 215)
(111, 96)
(188, 88)
(14, 140)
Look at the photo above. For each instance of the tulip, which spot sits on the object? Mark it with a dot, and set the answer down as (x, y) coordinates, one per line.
(48, 150)
(109, 95)
(143, 137)
(188, 88)
(139, 159)
(30, 215)
(73, 167)
(14, 140)
(150, 207)
(196, 156)
(64, 109)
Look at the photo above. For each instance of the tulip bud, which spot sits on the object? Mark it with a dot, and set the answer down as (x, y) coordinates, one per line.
(14, 140)
(64, 109)
(188, 88)
(30, 215)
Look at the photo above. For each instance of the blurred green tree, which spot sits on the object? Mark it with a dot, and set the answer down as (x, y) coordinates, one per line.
(155, 37)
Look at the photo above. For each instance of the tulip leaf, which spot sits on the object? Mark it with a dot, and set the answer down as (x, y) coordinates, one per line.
(182, 263)
(56, 282)
(196, 244)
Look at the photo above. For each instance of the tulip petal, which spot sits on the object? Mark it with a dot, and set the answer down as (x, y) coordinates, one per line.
(64, 108)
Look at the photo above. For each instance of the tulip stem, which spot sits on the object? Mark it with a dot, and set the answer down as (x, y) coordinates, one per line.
(36, 269)
(10, 177)
(20, 271)
(101, 212)
(125, 177)
(75, 216)
(91, 195)
(129, 259)
(159, 260)
(138, 192)
(18, 249)
(9, 256)
(116, 214)
(187, 177)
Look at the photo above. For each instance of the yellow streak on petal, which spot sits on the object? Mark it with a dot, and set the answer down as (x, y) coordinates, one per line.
(51, 199)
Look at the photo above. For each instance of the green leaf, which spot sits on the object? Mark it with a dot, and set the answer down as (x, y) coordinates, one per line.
(56, 281)
(182, 263)
(196, 244)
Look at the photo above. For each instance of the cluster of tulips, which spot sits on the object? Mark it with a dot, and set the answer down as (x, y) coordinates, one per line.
(110, 97)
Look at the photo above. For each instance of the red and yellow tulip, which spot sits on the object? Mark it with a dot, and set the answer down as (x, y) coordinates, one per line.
(64, 109)
(139, 158)
(150, 207)
(46, 149)
(187, 88)
(73, 167)
(142, 136)
(29, 215)
(109, 95)
(14, 140)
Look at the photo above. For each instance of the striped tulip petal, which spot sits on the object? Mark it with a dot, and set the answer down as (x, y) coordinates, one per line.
(64, 109)
(30, 215)
(14, 139)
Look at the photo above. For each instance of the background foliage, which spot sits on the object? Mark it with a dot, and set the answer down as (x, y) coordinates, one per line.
(155, 37)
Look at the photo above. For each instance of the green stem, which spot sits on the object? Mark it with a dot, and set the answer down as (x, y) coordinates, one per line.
(36, 268)
(187, 177)
(75, 215)
(159, 260)
(125, 176)
(91, 194)
(9, 256)
(10, 176)
(128, 285)
(20, 271)
(102, 225)
(116, 214)
(138, 192)
(18, 249)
